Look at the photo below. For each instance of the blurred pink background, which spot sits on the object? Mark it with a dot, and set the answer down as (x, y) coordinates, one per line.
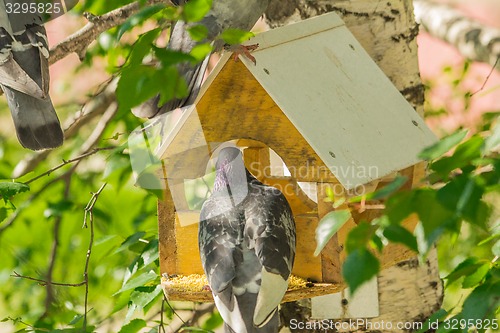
(434, 55)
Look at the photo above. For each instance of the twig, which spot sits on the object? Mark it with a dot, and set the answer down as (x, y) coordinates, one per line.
(33, 328)
(89, 211)
(487, 77)
(45, 282)
(195, 316)
(80, 40)
(76, 159)
(173, 310)
(161, 326)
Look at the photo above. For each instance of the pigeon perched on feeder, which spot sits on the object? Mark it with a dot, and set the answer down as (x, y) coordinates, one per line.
(224, 14)
(24, 78)
(247, 246)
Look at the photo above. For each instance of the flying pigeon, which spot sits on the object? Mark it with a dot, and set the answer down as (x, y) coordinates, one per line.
(224, 14)
(24, 78)
(247, 246)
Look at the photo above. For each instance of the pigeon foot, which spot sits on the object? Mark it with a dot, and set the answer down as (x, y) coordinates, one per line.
(243, 50)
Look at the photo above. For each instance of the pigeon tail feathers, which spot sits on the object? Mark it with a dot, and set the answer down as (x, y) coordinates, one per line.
(36, 122)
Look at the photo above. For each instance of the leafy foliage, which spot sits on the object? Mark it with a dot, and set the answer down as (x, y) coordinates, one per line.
(464, 181)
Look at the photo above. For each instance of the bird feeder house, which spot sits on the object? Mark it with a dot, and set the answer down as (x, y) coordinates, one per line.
(316, 100)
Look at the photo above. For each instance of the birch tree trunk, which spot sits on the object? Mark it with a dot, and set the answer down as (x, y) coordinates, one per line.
(472, 39)
(408, 292)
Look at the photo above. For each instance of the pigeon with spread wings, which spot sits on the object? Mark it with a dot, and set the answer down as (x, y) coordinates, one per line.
(247, 246)
(224, 14)
(24, 78)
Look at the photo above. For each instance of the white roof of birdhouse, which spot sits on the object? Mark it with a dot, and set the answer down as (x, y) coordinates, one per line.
(337, 97)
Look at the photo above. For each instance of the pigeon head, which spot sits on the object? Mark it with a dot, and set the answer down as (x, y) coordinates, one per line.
(226, 156)
(230, 169)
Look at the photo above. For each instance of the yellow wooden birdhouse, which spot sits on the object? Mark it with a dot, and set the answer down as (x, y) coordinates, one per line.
(316, 103)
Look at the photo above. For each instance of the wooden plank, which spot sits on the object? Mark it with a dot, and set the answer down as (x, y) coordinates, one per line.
(330, 259)
(188, 253)
(166, 234)
(257, 161)
(298, 200)
(306, 265)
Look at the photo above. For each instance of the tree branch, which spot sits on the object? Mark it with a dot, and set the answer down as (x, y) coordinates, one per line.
(80, 40)
(89, 212)
(473, 39)
(76, 159)
(45, 282)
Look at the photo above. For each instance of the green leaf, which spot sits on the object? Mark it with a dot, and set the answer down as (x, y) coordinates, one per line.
(492, 142)
(137, 84)
(142, 296)
(437, 316)
(131, 240)
(201, 51)
(138, 281)
(359, 267)
(463, 196)
(442, 146)
(482, 302)
(195, 10)
(58, 208)
(359, 237)
(198, 32)
(138, 18)
(399, 206)
(214, 321)
(150, 252)
(75, 320)
(384, 192)
(143, 46)
(463, 156)
(472, 280)
(150, 182)
(169, 57)
(174, 87)
(434, 217)
(465, 268)
(339, 202)
(330, 194)
(134, 326)
(377, 243)
(195, 329)
(10, 189)
(398, 234)
(3, 213)
(235, 36)
(496, 248)
(328, 226)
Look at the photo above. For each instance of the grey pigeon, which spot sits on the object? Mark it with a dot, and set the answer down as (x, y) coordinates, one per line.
(24, 78)
(247, 246)
(224, 14)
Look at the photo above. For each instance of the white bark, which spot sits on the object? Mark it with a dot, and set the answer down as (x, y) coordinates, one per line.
(473, 39)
